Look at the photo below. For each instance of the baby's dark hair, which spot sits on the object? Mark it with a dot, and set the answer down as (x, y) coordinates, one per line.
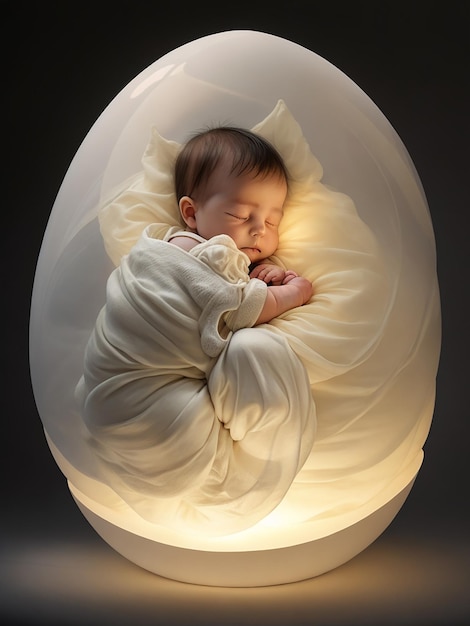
(199, 157)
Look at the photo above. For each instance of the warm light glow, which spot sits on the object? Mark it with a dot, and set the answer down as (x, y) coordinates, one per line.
(357, 225)
(397, 577)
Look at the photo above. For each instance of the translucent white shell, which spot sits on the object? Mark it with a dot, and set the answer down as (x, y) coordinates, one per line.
(238, 76)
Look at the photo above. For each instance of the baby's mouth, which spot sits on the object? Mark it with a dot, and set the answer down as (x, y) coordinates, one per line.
(252, 253)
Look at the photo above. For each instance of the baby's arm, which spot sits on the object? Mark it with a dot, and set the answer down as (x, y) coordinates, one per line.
(295, 291)
(186, 243)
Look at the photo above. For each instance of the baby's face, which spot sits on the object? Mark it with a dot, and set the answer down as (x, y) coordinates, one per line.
(247, 209)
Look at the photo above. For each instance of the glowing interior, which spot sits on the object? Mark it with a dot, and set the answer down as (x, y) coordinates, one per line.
(369, 442)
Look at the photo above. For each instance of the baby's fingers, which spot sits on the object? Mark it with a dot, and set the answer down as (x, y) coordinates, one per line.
(289, 275)
(258, 271)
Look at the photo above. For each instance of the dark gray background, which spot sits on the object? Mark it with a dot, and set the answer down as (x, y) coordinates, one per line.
(62, 65)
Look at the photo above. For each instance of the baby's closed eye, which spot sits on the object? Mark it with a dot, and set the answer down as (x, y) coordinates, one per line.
(237, 217)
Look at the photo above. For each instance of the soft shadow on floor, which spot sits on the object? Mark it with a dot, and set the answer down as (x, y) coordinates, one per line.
(402, 578)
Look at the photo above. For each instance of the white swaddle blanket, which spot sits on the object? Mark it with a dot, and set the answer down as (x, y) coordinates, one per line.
(192, 421)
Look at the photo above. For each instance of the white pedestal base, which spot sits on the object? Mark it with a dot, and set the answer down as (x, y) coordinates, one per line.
(244, 568)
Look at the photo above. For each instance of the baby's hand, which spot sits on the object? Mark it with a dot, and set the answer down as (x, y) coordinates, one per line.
(304, 286)
(270, 274)
(288, 276)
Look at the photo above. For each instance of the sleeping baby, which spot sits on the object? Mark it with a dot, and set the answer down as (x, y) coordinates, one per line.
(230, 181)
(200, 417)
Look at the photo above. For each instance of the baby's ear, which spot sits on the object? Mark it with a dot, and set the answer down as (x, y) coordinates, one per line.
(188, 211)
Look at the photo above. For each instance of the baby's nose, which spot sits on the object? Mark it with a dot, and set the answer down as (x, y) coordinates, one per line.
(257, 228)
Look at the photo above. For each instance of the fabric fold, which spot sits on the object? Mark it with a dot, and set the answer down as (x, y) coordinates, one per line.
(198, 420)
